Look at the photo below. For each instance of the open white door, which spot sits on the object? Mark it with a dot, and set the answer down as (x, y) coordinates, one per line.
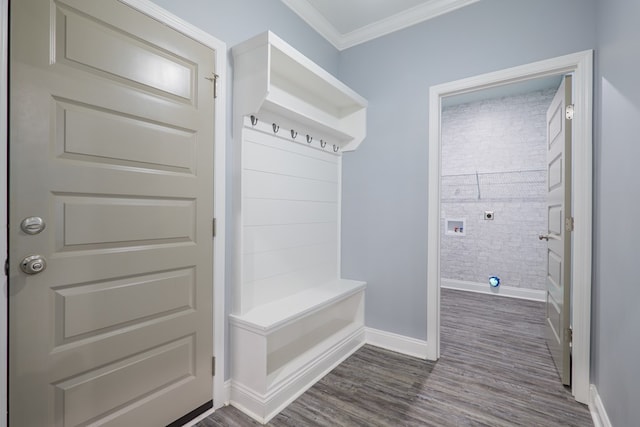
(111, 200)
(558, 236)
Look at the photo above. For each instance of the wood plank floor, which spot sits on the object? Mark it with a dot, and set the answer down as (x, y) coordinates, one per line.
(494, 370)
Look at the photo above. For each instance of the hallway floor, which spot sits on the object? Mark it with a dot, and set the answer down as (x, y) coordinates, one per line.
(494, 370)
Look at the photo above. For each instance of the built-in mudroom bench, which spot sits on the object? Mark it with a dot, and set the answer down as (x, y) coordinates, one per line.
(294, 318)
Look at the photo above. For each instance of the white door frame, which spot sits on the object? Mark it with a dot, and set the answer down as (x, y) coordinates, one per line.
(581, 65)
(4, 302)
(160, 14)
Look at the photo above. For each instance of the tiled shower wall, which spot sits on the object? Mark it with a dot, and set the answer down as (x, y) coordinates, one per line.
(494, 159)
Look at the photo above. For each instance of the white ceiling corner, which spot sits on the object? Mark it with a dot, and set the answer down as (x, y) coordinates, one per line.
(316, 20)
(347, 23)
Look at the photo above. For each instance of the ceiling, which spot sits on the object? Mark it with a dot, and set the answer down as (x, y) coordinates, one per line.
(346, 23)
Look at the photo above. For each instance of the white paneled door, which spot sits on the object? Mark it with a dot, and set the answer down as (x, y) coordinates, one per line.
(111, 201)
(560, 225)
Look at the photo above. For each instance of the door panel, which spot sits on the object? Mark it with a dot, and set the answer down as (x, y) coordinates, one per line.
(111, 143)
(139, 62)
(558, 302)
(86, 310)
(90, 134)
(89, 395)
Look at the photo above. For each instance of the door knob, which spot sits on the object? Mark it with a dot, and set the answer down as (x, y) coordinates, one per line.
(544, 237)
(33, 264)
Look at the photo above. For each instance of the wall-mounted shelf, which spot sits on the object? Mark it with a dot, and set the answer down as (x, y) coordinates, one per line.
(277, 83)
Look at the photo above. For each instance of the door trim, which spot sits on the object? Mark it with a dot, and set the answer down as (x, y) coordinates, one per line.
(152, 10)
(4, 145)
(581, 65)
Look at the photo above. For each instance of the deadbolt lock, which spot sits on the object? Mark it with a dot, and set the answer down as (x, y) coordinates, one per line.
(33, 264)
(32, 225)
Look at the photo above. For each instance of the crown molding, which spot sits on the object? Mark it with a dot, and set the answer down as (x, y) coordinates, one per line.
(315, 20)
(399, 21)
(402, 20)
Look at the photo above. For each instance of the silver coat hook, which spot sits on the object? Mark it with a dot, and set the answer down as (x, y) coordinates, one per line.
(275, 127)
(323, 143)
(254, 120)
(309, 139)
(335, 148)
(294, 134)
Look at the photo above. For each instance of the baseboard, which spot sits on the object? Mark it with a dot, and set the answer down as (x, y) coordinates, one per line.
(598, 413)
(485, 288)
(398, 343)
(264, 407)
(226, 393)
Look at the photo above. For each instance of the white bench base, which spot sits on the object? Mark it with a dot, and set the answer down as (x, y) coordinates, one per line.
(281, 349)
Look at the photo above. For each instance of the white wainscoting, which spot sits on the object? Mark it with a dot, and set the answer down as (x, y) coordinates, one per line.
(485, 288)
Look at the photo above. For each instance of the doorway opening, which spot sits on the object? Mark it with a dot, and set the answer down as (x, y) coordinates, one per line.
(492, 193)
(496, 181)
(580, 65)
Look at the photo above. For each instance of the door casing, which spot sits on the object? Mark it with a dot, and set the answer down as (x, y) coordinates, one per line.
(581, 66)
(4, 144)
(145, 6)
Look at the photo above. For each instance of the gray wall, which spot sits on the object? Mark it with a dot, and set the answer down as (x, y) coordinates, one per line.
(616, 296)
(385, 182)
(494, 158)
(233, 21)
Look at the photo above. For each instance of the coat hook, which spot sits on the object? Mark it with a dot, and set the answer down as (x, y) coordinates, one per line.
(294, 134)
(323, 143)
(335, 148)
(309, 139)
(254, 120)
(275, 127)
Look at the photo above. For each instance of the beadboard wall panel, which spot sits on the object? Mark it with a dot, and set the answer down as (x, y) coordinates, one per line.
(291, 212)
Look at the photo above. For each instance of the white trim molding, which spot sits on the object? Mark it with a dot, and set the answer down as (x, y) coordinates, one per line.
(581, 66)
(315, 20)
(596, 407)
(502, 290)
(400, 21)
(415, 15)
(398, 343)
(4, 302)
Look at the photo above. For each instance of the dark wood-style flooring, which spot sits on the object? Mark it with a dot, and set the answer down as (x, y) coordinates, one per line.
(494, 370)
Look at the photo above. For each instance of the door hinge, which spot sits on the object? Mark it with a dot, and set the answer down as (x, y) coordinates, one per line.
(214, 79)
(6, 267)
(569, 336)
(213, 227)
(213, 366)
(569, 111)
(569, 224)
